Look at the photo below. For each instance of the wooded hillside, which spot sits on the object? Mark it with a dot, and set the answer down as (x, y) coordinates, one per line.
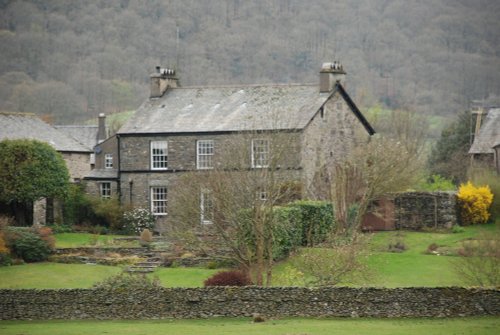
(73, 59)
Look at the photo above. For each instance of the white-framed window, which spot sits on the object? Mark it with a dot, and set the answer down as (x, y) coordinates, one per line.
(206, 207)
(159, 155)
(262, 195)
(204, 154)
(159, 200)
(108, 161)
(105, 190)
(260, 153)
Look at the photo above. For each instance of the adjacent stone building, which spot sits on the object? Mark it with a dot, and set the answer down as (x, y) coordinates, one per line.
(27, 126)
(486, 145)
(185, 129)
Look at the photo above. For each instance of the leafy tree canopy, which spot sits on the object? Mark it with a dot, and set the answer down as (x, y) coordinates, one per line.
(30, 170)
(449, 157)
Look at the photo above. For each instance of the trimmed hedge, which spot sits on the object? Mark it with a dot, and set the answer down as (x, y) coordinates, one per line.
(316, 220)
(301, 223)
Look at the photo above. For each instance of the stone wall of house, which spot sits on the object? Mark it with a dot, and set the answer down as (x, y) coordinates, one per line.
(78, 164)
(93, 187)
(244, 301)
(329, 137)
(137, 178)
(109, 146)
(420, 210)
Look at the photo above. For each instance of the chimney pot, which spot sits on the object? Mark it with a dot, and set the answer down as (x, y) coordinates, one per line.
(330, 74)
(101, 128)
(161, 80)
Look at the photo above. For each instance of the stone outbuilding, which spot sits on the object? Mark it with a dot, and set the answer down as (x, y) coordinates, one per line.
(28, 126)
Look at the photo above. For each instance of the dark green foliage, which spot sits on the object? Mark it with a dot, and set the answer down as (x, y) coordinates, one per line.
(229, 278)
(316, 220)
(30, 170)
(33, 244)
(287, 232)
(449, 158)
(31, 248)
(77, 207)
(125, 282)
(301, 223)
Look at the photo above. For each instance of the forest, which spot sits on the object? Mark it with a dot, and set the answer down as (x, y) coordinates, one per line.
(69, 60)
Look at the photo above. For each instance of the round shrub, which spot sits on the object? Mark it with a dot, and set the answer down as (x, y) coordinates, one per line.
(474, 203)
(138, 219)
(31, 247)
(229, 278)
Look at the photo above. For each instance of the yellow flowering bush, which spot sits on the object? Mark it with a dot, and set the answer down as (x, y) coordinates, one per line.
(474, 203)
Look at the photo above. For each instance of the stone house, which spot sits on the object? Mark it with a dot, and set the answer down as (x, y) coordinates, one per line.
(27, 126)
(185, 129)
(485, 148)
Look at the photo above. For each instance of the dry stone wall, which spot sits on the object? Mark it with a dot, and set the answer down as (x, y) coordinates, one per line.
(244, 301)
(419, 210)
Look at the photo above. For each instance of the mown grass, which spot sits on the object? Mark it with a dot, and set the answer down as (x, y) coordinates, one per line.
(290, 326)
(55, 275)
(76, 240)
(413, 267)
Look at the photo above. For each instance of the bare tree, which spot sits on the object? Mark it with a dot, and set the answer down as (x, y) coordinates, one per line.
(388, 163)
(479, 264)
(230, 207)
(337, 261)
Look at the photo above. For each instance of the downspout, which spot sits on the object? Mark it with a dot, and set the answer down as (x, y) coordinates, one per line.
(119, 171)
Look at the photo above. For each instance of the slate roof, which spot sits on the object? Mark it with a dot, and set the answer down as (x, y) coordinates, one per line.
(226, 109)
(489, 134)
(87, 135)
(102, 174)
(28, 126)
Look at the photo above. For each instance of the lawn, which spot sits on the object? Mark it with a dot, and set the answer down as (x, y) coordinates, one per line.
(290, 326)
(76, 240)
(413, 267)
(55, 275)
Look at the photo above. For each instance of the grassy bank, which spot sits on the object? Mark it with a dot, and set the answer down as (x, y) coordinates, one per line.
(327, 326)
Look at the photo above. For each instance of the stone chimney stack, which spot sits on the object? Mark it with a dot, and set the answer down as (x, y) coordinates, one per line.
(330, 74)
(101, 128)
(161, 80)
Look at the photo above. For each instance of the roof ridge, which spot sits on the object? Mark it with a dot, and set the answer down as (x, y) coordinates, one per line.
(245, 85)
(18, 113)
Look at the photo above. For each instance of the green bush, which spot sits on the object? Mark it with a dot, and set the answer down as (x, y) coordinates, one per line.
(287, 232)
(77, 208)
(127, 282)
(31, 247)
(316, 220)
(437, 183)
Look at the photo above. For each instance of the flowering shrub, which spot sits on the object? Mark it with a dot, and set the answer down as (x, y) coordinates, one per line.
(474, 203)
(138, 219)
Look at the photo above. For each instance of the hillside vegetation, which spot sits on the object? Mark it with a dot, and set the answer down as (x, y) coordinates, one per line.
(69, 60)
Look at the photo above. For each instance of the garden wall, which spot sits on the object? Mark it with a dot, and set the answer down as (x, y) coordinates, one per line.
(244, 301)
(413, 211)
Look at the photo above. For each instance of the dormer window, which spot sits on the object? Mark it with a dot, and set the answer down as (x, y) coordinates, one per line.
(108, 161)
(159, 155)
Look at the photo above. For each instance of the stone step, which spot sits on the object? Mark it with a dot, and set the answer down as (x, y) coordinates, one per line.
(155, 264)
(140, 269)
